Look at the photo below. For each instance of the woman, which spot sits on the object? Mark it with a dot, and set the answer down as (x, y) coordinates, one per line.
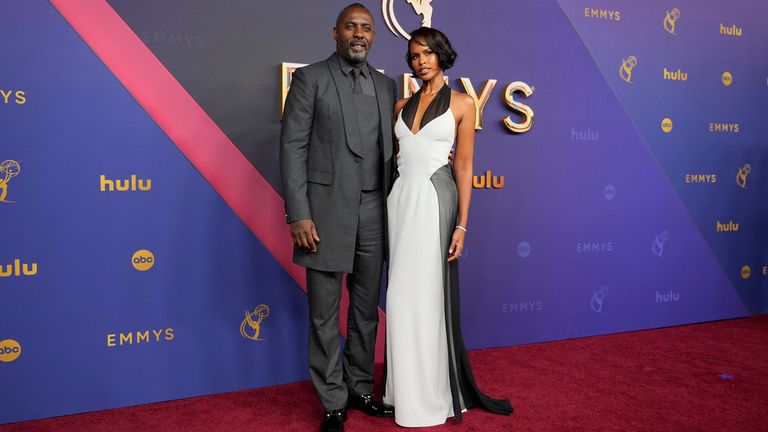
(428, 374)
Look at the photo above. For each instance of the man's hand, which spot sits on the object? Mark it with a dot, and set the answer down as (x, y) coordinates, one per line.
(304, 234)
(450, 157)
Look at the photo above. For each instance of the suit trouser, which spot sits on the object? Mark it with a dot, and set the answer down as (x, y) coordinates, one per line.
(333, 382)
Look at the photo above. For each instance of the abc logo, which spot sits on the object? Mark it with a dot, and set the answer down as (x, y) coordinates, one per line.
(666, 125)
(523, 249)
(143, 260)
(727, 78)
(10, 350)
(746, 272)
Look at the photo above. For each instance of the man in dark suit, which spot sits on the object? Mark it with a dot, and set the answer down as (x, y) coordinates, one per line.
(336, 162)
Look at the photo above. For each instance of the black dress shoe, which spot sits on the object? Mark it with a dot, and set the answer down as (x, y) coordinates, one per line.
(371, 407)
(334, 421)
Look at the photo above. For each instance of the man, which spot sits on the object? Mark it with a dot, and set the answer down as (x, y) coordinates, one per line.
(336, 162)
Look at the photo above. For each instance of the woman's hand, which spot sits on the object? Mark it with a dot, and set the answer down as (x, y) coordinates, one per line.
(457, 244)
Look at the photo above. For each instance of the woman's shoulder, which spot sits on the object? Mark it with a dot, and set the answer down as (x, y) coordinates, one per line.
(462, 103)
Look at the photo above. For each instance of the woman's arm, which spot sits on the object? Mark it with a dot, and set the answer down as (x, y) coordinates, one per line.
(462, 168)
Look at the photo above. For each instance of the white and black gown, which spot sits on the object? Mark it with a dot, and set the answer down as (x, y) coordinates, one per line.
(429, 378)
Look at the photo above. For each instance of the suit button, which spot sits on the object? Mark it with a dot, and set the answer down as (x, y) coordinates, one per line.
(358, 159)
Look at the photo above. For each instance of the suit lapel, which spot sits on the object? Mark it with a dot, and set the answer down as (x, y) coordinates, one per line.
(381, 85)
(347, 106)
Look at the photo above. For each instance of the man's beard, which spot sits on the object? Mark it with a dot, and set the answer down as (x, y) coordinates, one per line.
(354, 56)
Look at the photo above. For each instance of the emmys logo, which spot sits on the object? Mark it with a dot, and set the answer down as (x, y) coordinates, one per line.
(10, 350)
(530, 306)
(250, 328)
(586, 135)
(594, 247)
(746, 272)
(730, 31)
(8, 170)
(19, 96)
(724, 127)
(727, 78)
(610, 15)
(143, 260)
(173, 39)
(18, 269)
(671, 20)
(701, 178)
(658, 243)
(598, 299)
(130, 184)
(666, 125)
(420, 7)
(625, 70)
(741, 176)
(726, 227)
(677, 75)
(138, 337)
(488, 181)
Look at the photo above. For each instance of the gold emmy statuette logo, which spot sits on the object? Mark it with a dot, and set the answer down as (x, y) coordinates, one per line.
(143, 260)
(670, 20)
(625, 71)
(8, 170)
(10, 350)
(741, 176)
(746, 272)
(250, 328)
(420, 7)
(666, 125)
(727, 78)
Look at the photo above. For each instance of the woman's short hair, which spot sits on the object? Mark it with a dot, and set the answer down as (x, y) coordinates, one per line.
(437, 42)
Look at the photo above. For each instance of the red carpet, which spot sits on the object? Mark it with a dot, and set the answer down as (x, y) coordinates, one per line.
(706, 377)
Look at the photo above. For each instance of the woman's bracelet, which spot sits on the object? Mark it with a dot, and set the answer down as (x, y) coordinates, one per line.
(461, 228)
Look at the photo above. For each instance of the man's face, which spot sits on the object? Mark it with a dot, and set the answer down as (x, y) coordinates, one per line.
(354, 35)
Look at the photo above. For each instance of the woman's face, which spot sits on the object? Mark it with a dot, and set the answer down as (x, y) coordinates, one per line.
(424, 62)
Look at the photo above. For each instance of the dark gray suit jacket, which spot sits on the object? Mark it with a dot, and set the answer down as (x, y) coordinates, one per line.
(320, 159)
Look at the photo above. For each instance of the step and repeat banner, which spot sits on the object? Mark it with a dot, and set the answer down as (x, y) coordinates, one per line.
(621, 181)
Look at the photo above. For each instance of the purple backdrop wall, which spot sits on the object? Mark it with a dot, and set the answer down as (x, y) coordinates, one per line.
(636, 200)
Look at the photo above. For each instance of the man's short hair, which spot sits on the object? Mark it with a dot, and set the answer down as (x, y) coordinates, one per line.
(347, 8)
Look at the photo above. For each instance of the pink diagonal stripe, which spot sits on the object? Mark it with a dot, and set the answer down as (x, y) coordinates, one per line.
(188, 126)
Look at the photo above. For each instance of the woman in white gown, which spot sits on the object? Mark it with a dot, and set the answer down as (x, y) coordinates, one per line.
(429, 378)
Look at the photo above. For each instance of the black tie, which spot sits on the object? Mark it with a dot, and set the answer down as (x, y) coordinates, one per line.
(356, 81)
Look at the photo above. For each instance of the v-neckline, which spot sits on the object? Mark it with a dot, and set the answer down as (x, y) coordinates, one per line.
(422, 126)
